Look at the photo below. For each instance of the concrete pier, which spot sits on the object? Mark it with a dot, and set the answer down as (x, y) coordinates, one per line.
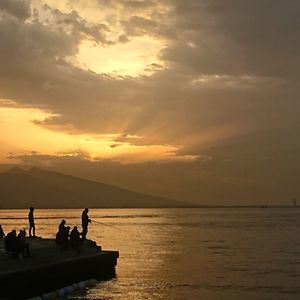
(50, 268)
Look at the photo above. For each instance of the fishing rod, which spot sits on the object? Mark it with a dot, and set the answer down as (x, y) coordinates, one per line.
(106, 225)
(136, 234)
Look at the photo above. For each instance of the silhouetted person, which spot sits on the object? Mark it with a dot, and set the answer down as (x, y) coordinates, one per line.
(59, 238)
(75, 239)
(22, 244)
(85, 223)
(67, 235)
(2, 235)
(62, 236)
(11, 244)
(31, 222)
(61, 225)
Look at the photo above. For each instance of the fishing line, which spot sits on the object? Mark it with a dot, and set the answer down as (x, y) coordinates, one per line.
(106, 225)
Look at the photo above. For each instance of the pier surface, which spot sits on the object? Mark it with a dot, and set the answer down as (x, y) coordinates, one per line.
(50, 268)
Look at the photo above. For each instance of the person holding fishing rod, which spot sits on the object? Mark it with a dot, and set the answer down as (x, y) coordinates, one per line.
(85, 220)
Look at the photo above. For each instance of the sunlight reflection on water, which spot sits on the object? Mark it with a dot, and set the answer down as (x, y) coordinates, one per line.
(188, 253)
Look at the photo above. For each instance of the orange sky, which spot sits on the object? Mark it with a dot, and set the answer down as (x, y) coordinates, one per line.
(156, 91)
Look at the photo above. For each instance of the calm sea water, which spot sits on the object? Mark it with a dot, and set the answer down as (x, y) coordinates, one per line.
(189, 253)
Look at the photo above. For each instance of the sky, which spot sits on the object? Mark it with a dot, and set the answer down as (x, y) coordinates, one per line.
(195, 100)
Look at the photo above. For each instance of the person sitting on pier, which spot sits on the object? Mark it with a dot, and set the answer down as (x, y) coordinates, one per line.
(75, 239)
(31, 222)
(62, 236)
(11, 244)
(2, 235)
(62, 225)
(85, 220)
(23, 245)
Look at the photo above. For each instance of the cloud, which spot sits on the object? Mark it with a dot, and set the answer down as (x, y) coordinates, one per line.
(140, 26)
(229, 72)
(72, 24)
(18, 8)
(237, 37)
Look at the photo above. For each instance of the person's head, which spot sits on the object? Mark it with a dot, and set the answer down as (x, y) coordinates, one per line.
(86, 210)
(14, 233)
(31, 208)
(75, 228)
(63, 222)
(68, 228)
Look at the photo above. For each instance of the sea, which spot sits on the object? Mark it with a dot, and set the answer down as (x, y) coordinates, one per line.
(191, 253)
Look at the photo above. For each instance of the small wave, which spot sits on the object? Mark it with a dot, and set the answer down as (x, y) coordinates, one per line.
(95, 217)
(39, 218)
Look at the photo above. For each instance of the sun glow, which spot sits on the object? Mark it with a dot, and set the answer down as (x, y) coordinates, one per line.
(21, 135)
(135, 58)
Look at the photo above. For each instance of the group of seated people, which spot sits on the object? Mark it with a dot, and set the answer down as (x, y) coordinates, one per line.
(16, 244)
(66, 239)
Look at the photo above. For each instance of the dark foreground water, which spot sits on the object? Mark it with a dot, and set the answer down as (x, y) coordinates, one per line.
(189, 253)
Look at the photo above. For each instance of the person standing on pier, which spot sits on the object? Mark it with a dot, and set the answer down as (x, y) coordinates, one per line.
(31, 222)
(85, 220)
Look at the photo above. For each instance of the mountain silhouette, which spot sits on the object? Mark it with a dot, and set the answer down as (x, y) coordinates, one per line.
(48, 189)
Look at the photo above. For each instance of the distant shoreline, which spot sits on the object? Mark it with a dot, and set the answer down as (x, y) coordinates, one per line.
(167, 207)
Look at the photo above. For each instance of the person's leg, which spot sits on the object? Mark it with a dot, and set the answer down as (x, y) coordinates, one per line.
(33, 229)
(84, 232)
